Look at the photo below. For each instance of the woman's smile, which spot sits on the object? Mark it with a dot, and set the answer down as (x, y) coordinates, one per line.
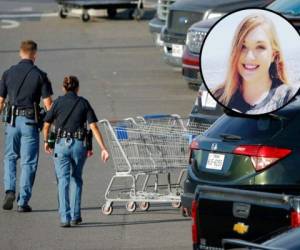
(250, 67)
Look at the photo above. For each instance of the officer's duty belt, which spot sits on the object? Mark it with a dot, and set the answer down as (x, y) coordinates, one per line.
(80, 135)
(24, 112)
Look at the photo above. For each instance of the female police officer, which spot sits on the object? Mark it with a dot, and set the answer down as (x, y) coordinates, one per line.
(69, 113)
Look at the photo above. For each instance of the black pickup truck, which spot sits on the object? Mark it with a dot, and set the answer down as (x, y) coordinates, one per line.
(247, 215)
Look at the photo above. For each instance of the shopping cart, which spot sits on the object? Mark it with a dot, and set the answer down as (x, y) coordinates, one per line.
(149, 159)
(172, 121)
(135, 7)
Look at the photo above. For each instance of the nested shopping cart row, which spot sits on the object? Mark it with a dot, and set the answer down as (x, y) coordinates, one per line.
(150, 156)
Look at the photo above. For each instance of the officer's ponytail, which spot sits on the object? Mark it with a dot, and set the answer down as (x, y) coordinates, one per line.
(71, 83)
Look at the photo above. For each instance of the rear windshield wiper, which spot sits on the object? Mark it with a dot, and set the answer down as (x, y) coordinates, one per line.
(230, 137)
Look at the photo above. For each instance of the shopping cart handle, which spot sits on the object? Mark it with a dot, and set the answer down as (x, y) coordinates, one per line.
(156, 116)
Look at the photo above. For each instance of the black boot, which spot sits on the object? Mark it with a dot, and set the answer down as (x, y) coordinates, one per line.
(76, 222)
(9, 199)
(24, 209)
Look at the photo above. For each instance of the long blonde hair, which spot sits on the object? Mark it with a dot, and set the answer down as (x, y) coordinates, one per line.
(233, 79)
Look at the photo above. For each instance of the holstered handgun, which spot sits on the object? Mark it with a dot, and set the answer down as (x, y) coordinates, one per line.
(39, 115)
(89, 140)
(6, 112)
(52, 139)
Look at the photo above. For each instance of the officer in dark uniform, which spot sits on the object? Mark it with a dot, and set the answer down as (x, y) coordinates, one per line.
(69, 115)
(24, 84)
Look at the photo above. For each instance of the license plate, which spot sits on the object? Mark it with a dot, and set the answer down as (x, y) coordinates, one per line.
(215, 161)
(207, 101)
(177, 50)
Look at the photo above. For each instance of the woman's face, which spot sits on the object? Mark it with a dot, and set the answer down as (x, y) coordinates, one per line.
(256, 55)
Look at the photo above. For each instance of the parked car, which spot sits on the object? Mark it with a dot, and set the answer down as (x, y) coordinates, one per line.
(184, 13)
(205, 110)
(289, 8)
(246, 150)
(254, 216)
(156, 24)
(196, 34)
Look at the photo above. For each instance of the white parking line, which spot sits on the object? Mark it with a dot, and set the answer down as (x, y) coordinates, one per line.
(9, 24)
(55, 14)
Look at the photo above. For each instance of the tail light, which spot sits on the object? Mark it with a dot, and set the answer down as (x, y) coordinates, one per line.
(190, 61)
(262, 156)
(194, 222)
(295, 213)
(295, 219)
(193, 146)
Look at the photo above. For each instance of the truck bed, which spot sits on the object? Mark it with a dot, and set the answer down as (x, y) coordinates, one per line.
(234, 213)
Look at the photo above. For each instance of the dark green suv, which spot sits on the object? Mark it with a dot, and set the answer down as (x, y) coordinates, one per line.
(261, 152)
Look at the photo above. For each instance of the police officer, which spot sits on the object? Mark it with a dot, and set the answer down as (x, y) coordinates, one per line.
(69, 114)
(24, 84)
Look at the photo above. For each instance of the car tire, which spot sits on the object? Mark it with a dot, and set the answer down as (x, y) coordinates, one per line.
(63, 13)
(111, 12)
(85, 17)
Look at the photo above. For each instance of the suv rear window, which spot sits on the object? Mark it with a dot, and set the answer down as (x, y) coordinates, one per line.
(246, 128)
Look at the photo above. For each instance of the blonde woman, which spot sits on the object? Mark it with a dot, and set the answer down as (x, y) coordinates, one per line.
(256, 81)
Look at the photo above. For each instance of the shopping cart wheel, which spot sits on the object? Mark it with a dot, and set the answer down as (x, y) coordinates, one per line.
(63, 13)
(176, 204)
(144, 206)
(131, 206)
(85, 17)
(107, 210)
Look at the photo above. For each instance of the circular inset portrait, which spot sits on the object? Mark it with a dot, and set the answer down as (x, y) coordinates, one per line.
(250, 61)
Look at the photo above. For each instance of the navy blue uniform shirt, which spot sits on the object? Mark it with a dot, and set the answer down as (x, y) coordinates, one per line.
(35, 86)
(83, 112)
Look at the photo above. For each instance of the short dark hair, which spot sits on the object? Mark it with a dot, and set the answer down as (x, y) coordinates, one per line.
(71, 83)
(28, 46)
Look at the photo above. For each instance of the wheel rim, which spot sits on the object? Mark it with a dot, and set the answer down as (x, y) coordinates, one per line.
(144, 206)
(107, 210)
(130, 206)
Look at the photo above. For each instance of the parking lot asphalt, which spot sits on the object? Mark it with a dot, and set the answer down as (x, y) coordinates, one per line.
(122, 73)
